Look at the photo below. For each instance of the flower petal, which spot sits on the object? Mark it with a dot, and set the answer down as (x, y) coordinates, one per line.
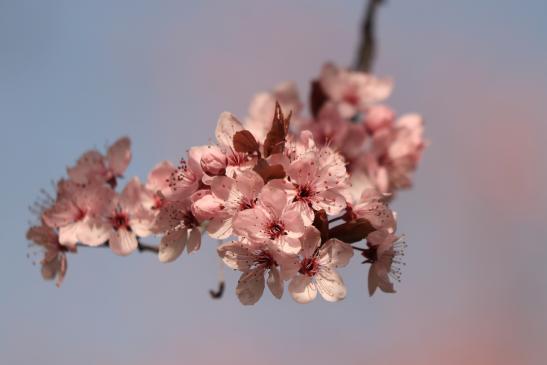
(275, 283)
(302, 289)
(330, 285)
(250, 286)
(122, 242)
(172, 244)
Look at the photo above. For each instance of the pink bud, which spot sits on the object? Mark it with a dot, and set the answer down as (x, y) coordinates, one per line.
(213, 162)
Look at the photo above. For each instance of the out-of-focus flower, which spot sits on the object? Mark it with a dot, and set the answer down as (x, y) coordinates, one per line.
(384, 253)
(255, 260)
(54, 261)
(273, 218)
(79, 213)
(317, 269)
(128, 218)
(353, 92)
(92, 166)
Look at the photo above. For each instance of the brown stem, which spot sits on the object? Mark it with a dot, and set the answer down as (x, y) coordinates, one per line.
(367, 48)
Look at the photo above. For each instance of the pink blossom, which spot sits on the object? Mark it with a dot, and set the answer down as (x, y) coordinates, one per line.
(180, 229)
(54, 261)
(228, 197)
(384, 252)
(255, 260)
(317, 269)
(93, 166)
(273, 218)
(313, 183)
(353, 92)
(78, 213)
(128, 218)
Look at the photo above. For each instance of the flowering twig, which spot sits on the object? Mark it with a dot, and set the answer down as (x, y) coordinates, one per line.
(367, 48)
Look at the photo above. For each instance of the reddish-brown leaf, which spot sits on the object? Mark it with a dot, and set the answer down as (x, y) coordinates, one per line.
(245, 142)
(269, 172)
(275, 139)
(351, 232)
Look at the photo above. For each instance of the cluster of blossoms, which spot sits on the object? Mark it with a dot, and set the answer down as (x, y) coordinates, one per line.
(294, 196)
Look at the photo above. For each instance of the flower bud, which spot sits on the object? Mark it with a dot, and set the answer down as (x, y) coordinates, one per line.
(213, 162)
(379, 117)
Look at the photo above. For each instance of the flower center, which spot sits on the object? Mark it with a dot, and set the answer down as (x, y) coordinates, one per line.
(120, 220)
(309, 266)
(189, 220)
(276, 229)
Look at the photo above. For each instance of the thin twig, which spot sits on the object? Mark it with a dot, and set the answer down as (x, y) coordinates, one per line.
(367, 48)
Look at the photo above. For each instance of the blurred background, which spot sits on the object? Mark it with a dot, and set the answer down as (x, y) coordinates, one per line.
(79, 74)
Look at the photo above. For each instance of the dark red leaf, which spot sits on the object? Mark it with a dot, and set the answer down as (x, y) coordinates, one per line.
(275, 139)
(269, 172)
(351, 232)
(245, 142)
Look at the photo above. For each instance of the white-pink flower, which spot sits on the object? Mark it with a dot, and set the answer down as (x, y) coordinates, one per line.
(79, 213)
(384, 252)
(273, 218)
(228, 197)
(129, 218)
(92, 166)
(255, 260)
(317, 269)
(313, 183)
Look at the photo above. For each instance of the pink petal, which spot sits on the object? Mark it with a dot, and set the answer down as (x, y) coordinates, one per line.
(194, 240)
(236, 255)
(227, 126)
(172, 244)
(122, 242)
(302, 289)
(250, 286)
(336, 253)
(220, 228)
(310, 241)
(119, 156)
(330, 285)
(275, 283)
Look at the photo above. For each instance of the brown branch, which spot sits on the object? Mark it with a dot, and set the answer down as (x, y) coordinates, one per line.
(142, 247)
(367, 48)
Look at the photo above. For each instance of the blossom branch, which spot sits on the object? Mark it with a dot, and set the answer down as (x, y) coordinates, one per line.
(367, 48)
